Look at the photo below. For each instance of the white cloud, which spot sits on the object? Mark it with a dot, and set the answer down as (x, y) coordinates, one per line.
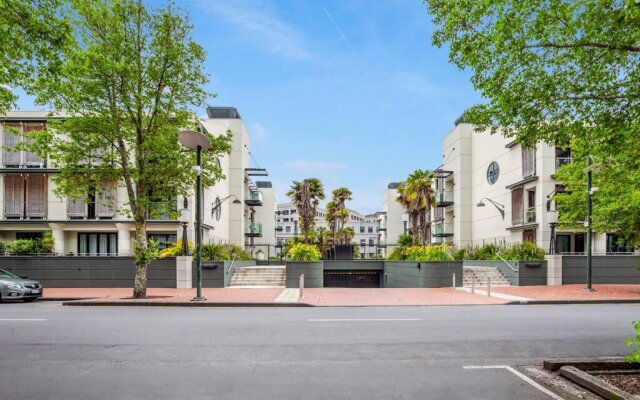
(258, 130)
(255, 22)
(316, 167)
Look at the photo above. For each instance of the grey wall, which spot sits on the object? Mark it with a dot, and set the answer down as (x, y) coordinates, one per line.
(313, 274)
(529, 273)
(368, 265)
(83, 272)
(216, 274)
(412, 274)
(605, 269)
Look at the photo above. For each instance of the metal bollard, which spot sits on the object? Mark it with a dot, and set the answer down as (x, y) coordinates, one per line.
(473, 286)
(488, 286)
(301, 285)
(454, 280)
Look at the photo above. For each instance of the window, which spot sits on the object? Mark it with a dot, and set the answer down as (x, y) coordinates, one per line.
(531, 206)
(25, 196)
(164, 239)
(285, 212)
(371, 242)
(529, 235)
(287, 229)
(17, 158)
(579, 243)
(517, 210)
(615, 244)
(370, 229)
(362, 229)
(528, 161)
(363, 242)
(98, 244)
(563, 244)
(28, 235)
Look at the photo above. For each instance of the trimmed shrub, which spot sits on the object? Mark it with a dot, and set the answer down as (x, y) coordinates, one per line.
(3, 248)
(175, 249)
(22, 247)
(526, 251)
(405, 240)
(240, 253)
(428, 253)
(46, 244)
(303, 252)
(215, 252)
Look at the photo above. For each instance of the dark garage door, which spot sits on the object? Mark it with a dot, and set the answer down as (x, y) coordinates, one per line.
(352, 279)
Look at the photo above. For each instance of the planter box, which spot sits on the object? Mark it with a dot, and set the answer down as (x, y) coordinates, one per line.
(313, 273)
(528, 273)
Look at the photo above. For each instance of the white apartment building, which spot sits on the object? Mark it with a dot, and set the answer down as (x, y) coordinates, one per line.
(29, 205)
(492, 189)
(394, 219)
(367, 233)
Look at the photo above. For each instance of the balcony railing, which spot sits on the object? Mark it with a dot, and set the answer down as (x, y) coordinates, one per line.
(530, 216)
(253, 197)
(442, 230)
(444, 198)
(560, 161)
(253, 229)
(382, 226)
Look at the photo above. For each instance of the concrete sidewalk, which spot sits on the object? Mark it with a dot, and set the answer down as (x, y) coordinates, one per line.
(343, 297)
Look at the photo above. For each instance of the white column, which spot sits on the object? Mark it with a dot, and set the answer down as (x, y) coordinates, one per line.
(554, 269)
(58, 238)
(183, 272)
(124, 239)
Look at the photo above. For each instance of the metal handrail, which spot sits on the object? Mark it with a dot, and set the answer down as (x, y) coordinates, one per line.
(232, 266)
(506, 262)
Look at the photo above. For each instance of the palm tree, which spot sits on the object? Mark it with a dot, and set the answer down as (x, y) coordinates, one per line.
(306, 196)
(416, 196)
(340, 196)
(330, 217)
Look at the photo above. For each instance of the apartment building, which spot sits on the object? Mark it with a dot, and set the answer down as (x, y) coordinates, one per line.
(492, 189)
(29, 205)
(394, 219)
(366, 227)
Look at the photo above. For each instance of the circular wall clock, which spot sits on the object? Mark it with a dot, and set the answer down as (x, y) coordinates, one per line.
(493, 172)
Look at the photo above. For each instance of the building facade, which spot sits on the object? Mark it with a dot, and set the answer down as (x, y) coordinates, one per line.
(491, 189)
(100, 225)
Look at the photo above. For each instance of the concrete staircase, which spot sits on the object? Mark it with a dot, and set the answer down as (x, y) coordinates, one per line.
(260, 276)
(481, 275)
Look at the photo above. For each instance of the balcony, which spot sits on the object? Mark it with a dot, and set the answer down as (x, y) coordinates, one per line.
(253, 230)
(382, 227)
(444, 198)
(253, 197)
(442, 230)
(530, 216)
(560, 161)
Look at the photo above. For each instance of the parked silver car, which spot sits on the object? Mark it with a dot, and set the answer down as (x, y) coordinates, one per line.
(13, 287)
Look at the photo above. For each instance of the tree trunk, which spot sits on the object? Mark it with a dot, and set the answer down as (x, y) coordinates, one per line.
(141, 260)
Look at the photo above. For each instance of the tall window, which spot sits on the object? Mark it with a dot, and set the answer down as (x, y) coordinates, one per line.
(528, 161)
(517, 206)
(98, 244)
(164, 240)
(25, 196)
(15, 133)
(101, 203)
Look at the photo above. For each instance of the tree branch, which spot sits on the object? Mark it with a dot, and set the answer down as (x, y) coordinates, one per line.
(608, 46)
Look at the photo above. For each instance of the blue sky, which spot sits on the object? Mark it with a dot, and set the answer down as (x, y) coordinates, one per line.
(348, 91)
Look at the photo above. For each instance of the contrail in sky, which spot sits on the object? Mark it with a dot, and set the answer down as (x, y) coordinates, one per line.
(337, 27)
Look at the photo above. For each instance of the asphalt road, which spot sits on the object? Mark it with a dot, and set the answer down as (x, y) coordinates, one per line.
(48, 351)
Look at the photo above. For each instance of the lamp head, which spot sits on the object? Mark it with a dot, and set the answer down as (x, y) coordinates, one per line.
(480, 204)
(236, 201)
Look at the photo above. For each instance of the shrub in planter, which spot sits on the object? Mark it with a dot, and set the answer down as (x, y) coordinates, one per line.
(239, 253)
(303, 252)
(215, 252)
(634, 343)
(46, 244)
(429, 253)
(526, 251)
(3, 248)
(22, 247)
(175, 249)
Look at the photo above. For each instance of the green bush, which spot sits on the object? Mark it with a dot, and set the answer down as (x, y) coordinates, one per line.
(526, 251)
(405, 240)
(215, 252)
(175, 249)
(239, 253)
(303, 252)
(634, 343)
(428, 253)
(22, 247)
(46, 244)
(3, 248)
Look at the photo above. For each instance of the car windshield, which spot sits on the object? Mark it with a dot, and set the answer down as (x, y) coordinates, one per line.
(7, 274)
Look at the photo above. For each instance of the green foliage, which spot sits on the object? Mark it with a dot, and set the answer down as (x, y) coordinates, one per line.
(215, 252)
(416, 197)
(289, 243)
(405, 240)
(303, 252)
(526, 251)
(47, 243)
(175, 249)
(144, 251)
(428, 253)
(3, 248)
(32, 34)
(634, 343)
(22, 247)
(239, 253)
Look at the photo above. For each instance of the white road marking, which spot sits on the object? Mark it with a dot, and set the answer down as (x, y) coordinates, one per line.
(362, 319)
(22, 319)
(519, 375)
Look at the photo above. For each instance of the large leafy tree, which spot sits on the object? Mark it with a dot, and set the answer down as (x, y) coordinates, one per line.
(565, 72)
(127, 83)
(306, 196)
(32, 35)
(416, 196)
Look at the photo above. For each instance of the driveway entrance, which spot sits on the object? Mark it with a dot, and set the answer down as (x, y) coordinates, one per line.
(352, 279)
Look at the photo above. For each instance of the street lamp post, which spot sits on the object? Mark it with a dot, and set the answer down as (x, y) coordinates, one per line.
(197, 141)
(498, 206)
(588, 224)
(185, 218)
(552, 217)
